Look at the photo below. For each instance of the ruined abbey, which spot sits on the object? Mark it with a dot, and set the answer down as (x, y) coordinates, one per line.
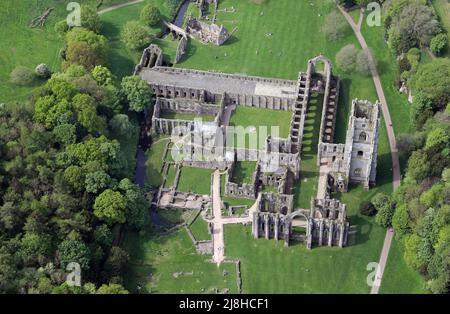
(209, 143)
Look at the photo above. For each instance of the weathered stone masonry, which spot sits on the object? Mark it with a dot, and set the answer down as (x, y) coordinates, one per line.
(216, 94)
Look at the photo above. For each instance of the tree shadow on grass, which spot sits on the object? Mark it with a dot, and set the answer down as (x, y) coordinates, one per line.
(111, 31)
(232, 40)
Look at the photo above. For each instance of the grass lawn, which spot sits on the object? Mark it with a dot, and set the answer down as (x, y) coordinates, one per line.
(157, 261)
(186, 116)
(122, 60)
(268, 267)
(294, 40)
(309, 171)
(243, 172)
(398, 277)
(355, 15)
(170, 176)
(154, 162)
(200, 229)
(230, 201)
(196, 180)
(248, 117)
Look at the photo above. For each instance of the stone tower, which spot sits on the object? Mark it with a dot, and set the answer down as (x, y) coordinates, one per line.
(362, 142)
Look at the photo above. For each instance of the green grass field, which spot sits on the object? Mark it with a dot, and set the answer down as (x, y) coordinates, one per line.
(157, 261)
(258, 123)
(398, 277)
(243, 172)
(294, 40)
(170, 176)
(186, 116)
(200, 229)
(196, 180)
(154, 161)
(306, 188)
(269, 267)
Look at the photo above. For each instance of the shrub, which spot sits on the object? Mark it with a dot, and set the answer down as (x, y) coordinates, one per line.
(22, 76)
(150, 15)
(42, 70)
(439, 43)
(362, 64)
(367, 209)
(61, 28)
(135, 36)
(346, 58)
(335, 27)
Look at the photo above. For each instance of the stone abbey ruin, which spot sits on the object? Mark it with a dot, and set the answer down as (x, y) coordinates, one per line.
(209, 143)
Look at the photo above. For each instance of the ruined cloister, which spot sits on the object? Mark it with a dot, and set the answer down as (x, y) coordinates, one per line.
(206, 142)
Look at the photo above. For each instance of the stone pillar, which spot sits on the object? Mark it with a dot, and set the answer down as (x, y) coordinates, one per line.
(266, 226)
(287, 232)
(341, 235)
(255, 225)
(320, 231)
(277, 219)
(330, 234)
(309, 233)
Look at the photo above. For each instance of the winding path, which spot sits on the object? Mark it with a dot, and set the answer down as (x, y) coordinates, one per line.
(118, 6)
(219, 221)
(391, 137)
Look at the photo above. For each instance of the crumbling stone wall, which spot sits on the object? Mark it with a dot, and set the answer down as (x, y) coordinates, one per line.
(207, 33)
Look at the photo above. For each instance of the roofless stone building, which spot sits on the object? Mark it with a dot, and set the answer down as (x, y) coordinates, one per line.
(217, 95)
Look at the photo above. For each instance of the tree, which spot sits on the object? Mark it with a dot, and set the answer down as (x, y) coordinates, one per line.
(439, 43)
(74, 250)
(85, 48)
(422, 109)
(137, 205)
(43, 71)
(90, 19)
(103, 236)
(335, 27)
(367, 209)
(22, 76)
(137, 93)
(112, 288)
(135, 36)
(418, 165)
(65, 134)
(384, 205)
(85, 107)
(400, 220)
(102, 75)
(433, 81)
(437, 136)
(415, 25)
(110, 206)
(61, 28)
(121, 126)
(97, 181)
(116, 261)
(99, 150)
(74, 175)
(35, 248)
(83, 54)
(362, 64)
(411, 254)
(346, 58)
(150, 15)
